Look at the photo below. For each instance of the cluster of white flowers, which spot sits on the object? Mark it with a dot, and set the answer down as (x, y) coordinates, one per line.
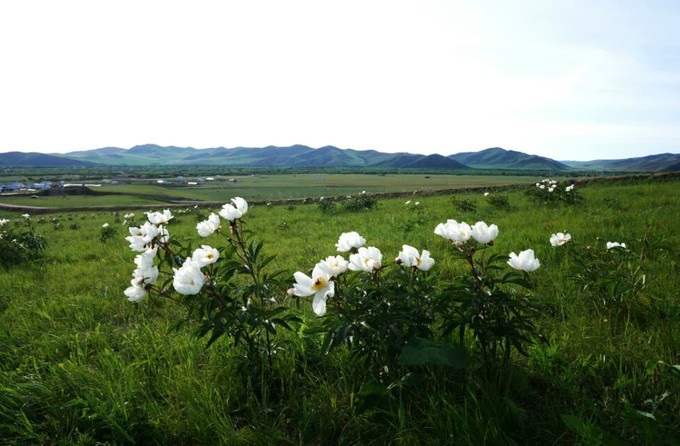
(147, 236)
(611, 245)
(189, 278)
(366, 259)
(547, 183)
(145, 274)
(550, 185)
(460, 233)
(3, 221)
(146, 239)
(560, 239)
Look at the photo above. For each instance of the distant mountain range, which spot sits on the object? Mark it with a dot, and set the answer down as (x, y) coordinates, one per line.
(328, 156)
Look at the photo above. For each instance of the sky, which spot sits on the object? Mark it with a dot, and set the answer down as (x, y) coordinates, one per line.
(570, 80)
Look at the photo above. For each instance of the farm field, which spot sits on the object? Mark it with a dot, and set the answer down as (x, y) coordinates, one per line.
(262, 187)
(79, 364)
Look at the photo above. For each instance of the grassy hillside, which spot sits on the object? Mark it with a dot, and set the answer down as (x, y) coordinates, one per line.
(497, 158)
(82, 365)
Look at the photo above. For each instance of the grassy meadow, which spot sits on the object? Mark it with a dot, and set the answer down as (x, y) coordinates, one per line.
(79, 364)
(262, 187)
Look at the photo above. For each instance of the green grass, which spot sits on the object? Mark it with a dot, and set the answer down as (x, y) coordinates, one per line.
(265, 188)
(81, 365)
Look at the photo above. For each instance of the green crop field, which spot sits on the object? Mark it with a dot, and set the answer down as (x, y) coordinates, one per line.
(79, 364)
(262, 187)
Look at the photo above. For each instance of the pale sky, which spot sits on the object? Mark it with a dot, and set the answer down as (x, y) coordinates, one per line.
(571, 80)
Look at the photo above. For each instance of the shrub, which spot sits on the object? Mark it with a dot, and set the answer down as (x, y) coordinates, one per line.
(464, 205)
(21, 243)
(500, 202)
(107, 232)
(550, 192)
(361, 202)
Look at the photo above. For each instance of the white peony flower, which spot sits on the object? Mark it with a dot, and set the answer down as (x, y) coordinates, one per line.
(208, 227)
(525, 261)
(320, 285)
(205, 255)
(336, 265)
(458, 233)
(159, 218)
(350, 240)
(188, 279)
(236, 210)
(367, 259)
(483, 233)
(559, 239)
(135, 293)
(410, 257)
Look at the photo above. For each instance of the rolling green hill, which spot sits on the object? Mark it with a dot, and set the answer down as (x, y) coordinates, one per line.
(497, 158)
(32, 159)
(494, 158)
(663, 162)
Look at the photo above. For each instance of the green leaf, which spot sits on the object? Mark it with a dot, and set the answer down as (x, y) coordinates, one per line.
(423, 352)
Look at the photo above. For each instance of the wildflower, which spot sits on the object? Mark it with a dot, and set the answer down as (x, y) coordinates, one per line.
(26, 216)
(135, 292)
(550, 189)
(367, 259)
(611, 245)
(188, 279)
(569, 188)
(336, 265)
(208, 227)
(205, 255)
(542, 186)
(237, 209)
(3, 221)
(105, 225)
(409, 257)
(458, 233)
(525, 261)
(144, 236)
(145, 275)
(483, 233)
(159, 218)
(145, 259)
(486, 194)
(407, 202)
(559, 239)
(349, 240)
(320, 285)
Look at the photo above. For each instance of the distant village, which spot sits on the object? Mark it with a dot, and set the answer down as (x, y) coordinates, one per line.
(18, 186)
